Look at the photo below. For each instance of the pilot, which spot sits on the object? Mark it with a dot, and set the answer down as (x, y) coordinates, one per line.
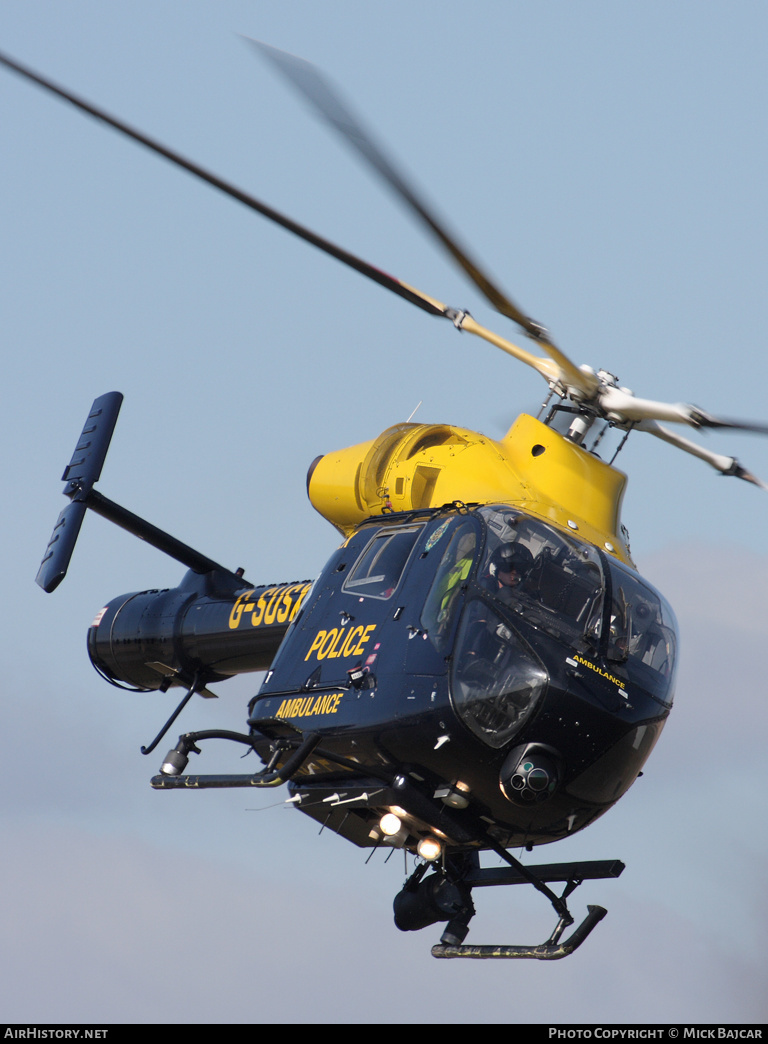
(509, 565)
(450, 584)
(507, 568)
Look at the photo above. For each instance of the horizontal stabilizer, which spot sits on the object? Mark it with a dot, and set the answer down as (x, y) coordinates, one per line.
(80, 474)
(88, 459)
(53, 567)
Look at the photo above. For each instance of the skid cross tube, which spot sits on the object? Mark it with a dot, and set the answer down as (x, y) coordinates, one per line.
(587, 870)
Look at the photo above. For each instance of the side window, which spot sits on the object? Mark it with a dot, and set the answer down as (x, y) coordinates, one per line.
(443, 599)
(642, 634)
(377, 572)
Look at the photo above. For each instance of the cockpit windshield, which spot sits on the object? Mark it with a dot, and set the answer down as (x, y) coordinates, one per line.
(556, 582)
(579, 595)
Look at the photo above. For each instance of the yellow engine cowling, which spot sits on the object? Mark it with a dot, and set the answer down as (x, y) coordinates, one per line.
(411, 466)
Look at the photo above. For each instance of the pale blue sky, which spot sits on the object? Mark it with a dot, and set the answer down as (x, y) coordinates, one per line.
(608, 164)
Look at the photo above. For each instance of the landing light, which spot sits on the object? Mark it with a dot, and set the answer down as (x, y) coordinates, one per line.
(390, 824)
(393, 830)
(429, 848)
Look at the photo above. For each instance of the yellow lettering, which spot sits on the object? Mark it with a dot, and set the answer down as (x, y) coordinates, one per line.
(316, 644)
(322, 652)
(276, 604)
(599, 670)
(338, 642)
(260, 607)
(364, 639)
(284, 606)
(299, 600)
(351, 637)
(332, 654)
(306, 706)
(237, 609)
(269, 615)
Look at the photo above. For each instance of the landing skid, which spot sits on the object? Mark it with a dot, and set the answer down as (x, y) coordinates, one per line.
(446, 895)
(548, 951)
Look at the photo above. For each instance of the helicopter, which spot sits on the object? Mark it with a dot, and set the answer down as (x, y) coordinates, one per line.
(474, 706)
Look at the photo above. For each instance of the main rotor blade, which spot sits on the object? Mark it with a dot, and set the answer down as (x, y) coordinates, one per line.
(725, 465)
(382, 278)
(311, 83)
(409, 293)
(623, 406)
(701, 419)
